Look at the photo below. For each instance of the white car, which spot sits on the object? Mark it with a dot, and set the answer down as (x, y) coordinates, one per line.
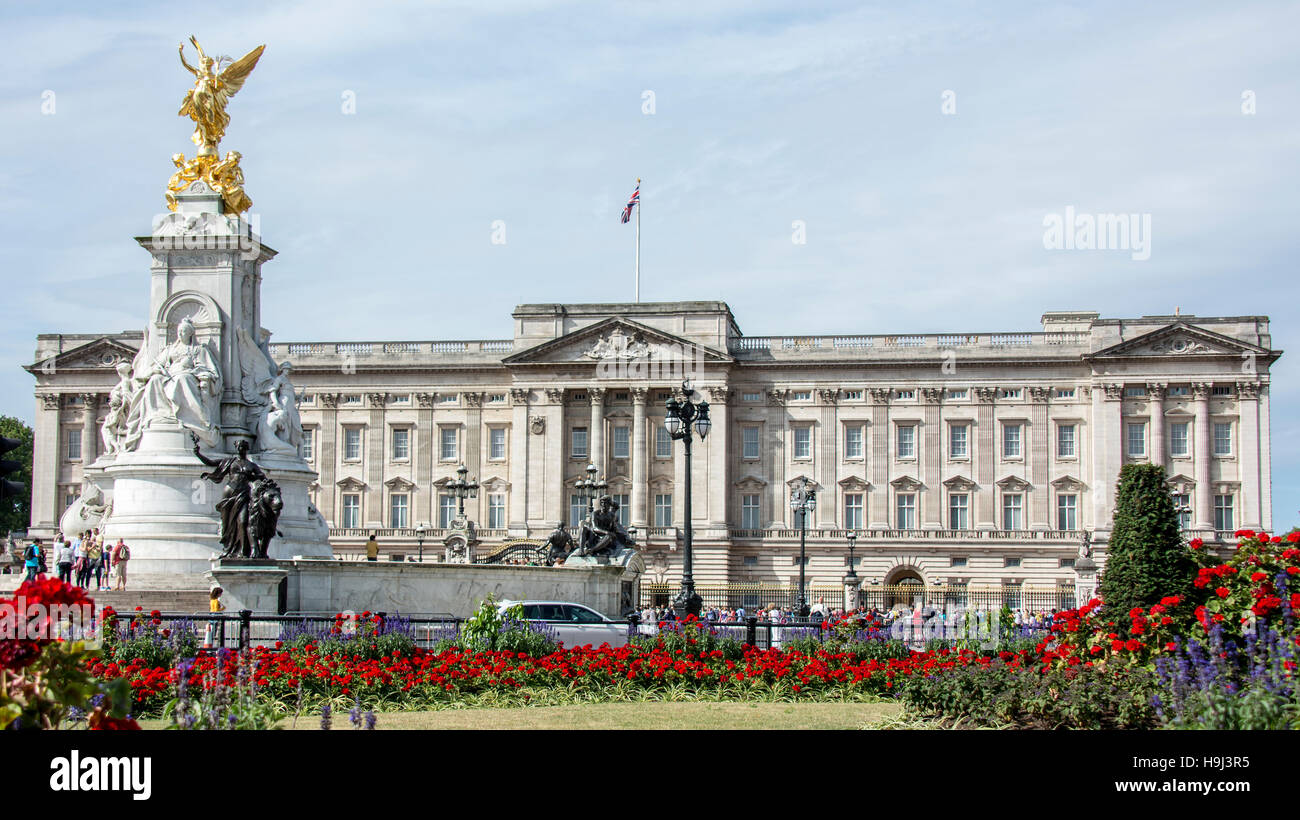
(574, 624)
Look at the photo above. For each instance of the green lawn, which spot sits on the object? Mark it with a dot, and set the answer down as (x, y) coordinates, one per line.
(630, 716)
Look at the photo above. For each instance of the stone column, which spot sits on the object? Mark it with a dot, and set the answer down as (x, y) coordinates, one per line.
(424, 495)
(519, 446)
(985, 456)
(327, 457)
(474, 507)
(1203, 514)
(552, 478)
(1248, 450)
(89, 429)
(1156, 403)
(877, 512)
(596, 432)
(930, 515)
(1265, 461)
(376, 440)
(717, 483)
(1107, 443)
(775, 434)
(640, 458)
(46, 454)
(1038, 450)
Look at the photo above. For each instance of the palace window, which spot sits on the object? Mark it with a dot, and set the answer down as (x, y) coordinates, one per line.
(1183, 508)
(904, 395)
(352, 444)
(398, 507)
(801, 395)
(803, 442)
(578, 440)
(496, 511)
(446, 398)
(1013, 508)
(1222, 390)
(1178, 438)
(1134, 392)
(958, 561)
(308, 444)
(958, 441)
(1011, 441)
(1137, 439)
(497, 443)
(663, 509)
(622, 443)
(1009, 393)
(749, 443)
(663, 442)
(853, 395)
(351, 510)
(853, 441)
(74, 445)
(496, 398)
(1223, 438)
(1067, 512)
(958, 395)
(750, 511)
(906, 441)
(577, 509)
(446, 510)
(1011, 562)
(401, 444)
(1181, 391)
(905, 511)
(959, 511)
(447, 444)
(853, 511)
(751, 397)
(1223, 518)
(1065, 392)
(1065, 441)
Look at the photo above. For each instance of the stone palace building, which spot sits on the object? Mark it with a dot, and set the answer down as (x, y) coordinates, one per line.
(959, 458)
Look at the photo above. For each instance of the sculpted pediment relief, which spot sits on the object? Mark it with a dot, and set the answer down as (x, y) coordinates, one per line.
(101, 354)
(1014, 484)
(1179, 339)
(617, 340)
(960, 483)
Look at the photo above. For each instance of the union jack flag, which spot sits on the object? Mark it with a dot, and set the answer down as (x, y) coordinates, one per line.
(633, 200)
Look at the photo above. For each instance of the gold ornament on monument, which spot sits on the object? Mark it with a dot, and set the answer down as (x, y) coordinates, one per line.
(216, 80)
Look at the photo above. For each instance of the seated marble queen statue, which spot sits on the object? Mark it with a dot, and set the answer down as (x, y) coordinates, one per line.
(183, 385)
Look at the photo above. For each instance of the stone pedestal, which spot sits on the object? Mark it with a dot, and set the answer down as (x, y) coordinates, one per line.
(1085, 580)
(253, 585)
(852, 583)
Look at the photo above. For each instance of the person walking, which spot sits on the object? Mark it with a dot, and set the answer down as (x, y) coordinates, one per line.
(95, 562)
(214, 607)
(121, 554)
(63, 559)
(372, 548)
(33, 556)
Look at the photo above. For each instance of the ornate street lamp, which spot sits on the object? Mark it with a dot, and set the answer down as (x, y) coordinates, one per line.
(681, 417)
(591, 488)
(419, 537)
(803, 500)
(851, 577)
(463, 489)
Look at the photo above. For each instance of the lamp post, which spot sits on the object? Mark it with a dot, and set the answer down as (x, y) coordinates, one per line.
(462, 489)
(591, 487)
(803, 500)
(419, 537)
(681, 417)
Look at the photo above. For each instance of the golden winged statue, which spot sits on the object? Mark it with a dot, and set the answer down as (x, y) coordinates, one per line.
(216, 80)
(205, 103)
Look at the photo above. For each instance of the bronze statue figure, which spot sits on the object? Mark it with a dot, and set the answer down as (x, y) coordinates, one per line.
(560, 543)
(602, 533)
(250, 504)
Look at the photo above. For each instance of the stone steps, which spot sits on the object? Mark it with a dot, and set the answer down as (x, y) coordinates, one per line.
(161, 592)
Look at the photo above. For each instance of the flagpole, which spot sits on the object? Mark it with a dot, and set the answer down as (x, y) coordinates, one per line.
(638, 243)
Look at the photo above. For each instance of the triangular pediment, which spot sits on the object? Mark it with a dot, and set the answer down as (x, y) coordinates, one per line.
(960, 483)
(616, 340)
(1180, 339)
(398, 484)
(103, 353)
(1068, 484)
(751, 483)
(854, 484)
(906, 483)
(351, 485)
(1180, 483)
(1014, 484)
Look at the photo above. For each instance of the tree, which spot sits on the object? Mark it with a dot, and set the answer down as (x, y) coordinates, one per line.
(1146, 557)
(16, 509)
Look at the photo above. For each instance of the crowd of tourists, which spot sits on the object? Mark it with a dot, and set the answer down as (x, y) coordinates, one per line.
(84, 560)
(820, 611)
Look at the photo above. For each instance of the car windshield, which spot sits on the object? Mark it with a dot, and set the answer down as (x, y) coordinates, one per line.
(582, 615)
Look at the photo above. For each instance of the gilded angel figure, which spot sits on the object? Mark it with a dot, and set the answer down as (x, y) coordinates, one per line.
(205, 103)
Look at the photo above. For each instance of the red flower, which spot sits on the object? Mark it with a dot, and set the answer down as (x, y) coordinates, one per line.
(1196, 543)
(1258, 576)
(1223, 592)
(1133, 645)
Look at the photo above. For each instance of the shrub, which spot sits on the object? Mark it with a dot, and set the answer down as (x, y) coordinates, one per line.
(1146, 559)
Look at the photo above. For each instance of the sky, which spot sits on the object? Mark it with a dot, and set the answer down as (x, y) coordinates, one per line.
(917, 148)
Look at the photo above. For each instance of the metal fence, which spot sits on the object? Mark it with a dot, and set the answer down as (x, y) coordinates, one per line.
(244, 629)
(755, 596)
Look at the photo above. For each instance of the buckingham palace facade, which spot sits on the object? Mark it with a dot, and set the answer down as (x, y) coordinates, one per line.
(978, 458)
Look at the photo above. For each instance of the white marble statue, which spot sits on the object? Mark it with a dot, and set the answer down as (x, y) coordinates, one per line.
(86, 513)
(114, 431)
(183, 385)
(273, 402)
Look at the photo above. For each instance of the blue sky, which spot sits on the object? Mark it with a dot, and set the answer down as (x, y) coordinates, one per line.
(532, 113)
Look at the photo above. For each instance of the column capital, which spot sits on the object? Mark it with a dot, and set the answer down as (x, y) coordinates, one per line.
(473, 399)
(881, 395)
(1114, 392)
(554, 395)
(931, 395)
(50, 401)
(1250, 390)
(519, 395)
(423, 399)
(1039, 395)
(718, 394)
(1156, 390)
(776, 397)
(639, 394)
(1201, 390)
(597, 394)
(986, 395)
(377, 399)
(90, 399)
